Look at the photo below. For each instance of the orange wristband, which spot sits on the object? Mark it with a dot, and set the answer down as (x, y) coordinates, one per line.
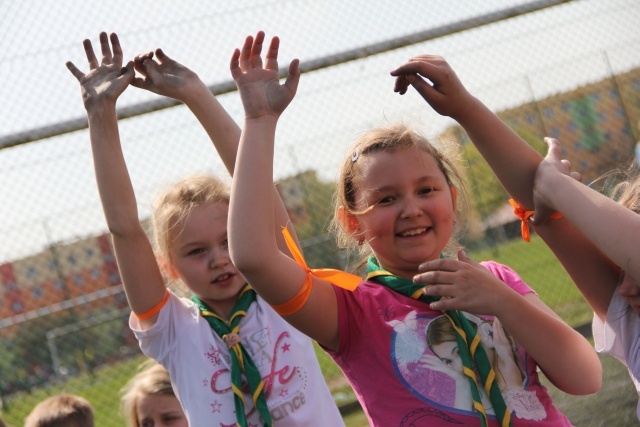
(525, 216)
(155, 309)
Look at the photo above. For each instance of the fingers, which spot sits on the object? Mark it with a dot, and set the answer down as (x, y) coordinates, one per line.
(138, 62)
(293, 76)
(245, 54)
(91, 56)
(234, 65)
(117, 49)
(74, 70)
(272, 55)
(256, 50)
(107, 57)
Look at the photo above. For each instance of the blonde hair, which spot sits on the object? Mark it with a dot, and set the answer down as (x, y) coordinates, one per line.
(151, 380)
(175, 204)
(390, 139)
(627, 193)
(63, 410)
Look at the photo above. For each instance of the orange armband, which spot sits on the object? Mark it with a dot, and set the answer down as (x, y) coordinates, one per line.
(525, 216)
(337, 277)
(155, 309)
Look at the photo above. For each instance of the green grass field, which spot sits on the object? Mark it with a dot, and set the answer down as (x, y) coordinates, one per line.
(533, 261)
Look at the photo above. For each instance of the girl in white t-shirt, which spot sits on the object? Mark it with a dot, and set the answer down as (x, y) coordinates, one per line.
(232, 359)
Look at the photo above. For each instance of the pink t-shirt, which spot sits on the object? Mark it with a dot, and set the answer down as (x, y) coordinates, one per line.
(400, 380)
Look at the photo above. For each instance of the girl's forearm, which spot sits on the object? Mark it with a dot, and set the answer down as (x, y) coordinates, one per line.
(112, 177)
(565, 356)
(513, 161)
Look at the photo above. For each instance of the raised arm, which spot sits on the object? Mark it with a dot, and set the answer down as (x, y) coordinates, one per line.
(165, 76)
(101, 87)
(515, 163)
(275, 276)
(585, 207)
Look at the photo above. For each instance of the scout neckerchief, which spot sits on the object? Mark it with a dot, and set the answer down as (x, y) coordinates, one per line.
(241, 361)
(468, 343)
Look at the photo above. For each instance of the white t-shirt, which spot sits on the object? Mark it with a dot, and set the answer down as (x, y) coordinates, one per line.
(199, 363)
(619, 336)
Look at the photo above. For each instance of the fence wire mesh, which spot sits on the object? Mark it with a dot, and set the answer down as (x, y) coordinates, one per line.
(569, 70)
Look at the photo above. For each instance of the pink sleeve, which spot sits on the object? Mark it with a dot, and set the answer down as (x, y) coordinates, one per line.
(508, 276)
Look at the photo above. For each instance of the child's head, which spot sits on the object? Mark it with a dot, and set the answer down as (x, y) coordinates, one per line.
(63, 410)
(148, 399)
(401, 195)
(190, 227)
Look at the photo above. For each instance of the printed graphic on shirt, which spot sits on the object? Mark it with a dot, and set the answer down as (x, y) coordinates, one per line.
(284, 383)
(426, 357)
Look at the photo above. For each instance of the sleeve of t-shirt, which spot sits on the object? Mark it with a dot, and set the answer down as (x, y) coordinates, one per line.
(508, 276)
(158, 341)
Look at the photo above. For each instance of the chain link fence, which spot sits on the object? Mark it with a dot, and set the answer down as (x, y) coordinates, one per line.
(570, 70)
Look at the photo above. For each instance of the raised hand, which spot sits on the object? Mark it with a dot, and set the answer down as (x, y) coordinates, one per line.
(165, 76)
(260, 90)
(436, 82)
(551, 165)
(464, 285)
(107, 79)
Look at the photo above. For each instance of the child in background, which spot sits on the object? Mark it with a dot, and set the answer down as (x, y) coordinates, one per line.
(63, 410)
(594, 240)
(148, 399)
(401, 197)
(231, 358)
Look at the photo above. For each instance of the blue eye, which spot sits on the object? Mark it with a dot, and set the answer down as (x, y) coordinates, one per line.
(387, 199)
(195, 251)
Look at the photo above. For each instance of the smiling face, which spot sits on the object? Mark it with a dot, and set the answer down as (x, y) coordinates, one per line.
(160, 411)
(200, 257)
(407, 208)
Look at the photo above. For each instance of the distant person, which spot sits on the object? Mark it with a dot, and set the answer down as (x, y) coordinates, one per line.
(400, 197)
(231, 358)
(63, 410)
(148, 399)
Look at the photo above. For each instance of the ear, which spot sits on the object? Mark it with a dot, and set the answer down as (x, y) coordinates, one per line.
(347, 220)
(167, 267)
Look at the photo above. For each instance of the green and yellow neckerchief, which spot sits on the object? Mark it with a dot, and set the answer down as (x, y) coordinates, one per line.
(241, 362)
(469, 344)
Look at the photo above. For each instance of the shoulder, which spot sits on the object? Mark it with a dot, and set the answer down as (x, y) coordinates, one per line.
(508, 276)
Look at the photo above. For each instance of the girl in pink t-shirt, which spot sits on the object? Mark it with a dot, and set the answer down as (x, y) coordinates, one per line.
(403, 199)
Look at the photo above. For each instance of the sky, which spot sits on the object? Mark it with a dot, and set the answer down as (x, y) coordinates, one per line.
(47, 189)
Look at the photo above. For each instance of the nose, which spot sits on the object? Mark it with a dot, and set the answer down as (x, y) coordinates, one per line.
(410, 208)
(219, 258)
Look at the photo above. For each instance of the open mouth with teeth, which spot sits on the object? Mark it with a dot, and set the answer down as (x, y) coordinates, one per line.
(222, 278)
(414, 232)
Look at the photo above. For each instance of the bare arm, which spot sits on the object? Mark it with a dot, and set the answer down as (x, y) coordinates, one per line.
(275, 276)
(515, 163)
(165, 76)
(101, 87)
(610, 225)
(565, 356)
